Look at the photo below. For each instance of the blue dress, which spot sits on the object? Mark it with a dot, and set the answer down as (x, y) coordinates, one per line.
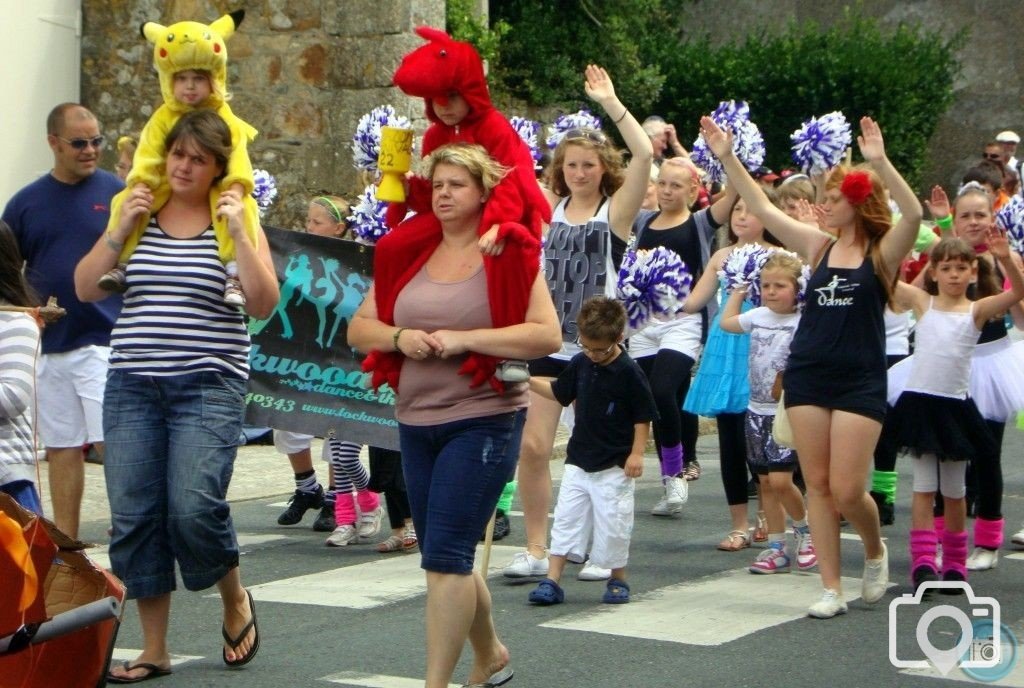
(721, 384)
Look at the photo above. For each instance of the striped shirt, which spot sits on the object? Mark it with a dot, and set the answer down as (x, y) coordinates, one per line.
(19, 339)
(174, 320)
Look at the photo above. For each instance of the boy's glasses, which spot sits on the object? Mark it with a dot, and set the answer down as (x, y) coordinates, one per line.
(993, 156)
(594, 352)
(81, 144)
(589, 134)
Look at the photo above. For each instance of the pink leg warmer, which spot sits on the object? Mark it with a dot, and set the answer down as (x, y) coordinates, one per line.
(988, 534)
(954, 552)
(368, 501)
(344, 509)
(922, 549)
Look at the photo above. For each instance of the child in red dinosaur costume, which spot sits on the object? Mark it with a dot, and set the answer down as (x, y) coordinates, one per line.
(449, 76)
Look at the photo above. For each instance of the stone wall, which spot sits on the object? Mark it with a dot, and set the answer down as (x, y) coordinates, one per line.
(304, 71)
(301, 71)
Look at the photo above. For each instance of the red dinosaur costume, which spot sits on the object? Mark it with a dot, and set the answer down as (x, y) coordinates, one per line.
(445, 66)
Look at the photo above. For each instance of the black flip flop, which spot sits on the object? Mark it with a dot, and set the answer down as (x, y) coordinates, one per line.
(153, 672)
(233, 643)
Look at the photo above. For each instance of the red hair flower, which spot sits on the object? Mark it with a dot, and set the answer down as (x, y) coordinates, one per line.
(856, 187)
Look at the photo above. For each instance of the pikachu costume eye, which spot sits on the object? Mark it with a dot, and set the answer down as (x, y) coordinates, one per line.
(170, 38)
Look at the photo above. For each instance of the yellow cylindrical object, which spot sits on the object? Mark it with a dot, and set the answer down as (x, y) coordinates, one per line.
(394, 160)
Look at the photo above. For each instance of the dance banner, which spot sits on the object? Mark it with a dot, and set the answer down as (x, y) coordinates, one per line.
(577, 266)
(304, 377)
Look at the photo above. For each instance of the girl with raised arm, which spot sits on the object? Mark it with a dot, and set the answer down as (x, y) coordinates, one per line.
(835, 381)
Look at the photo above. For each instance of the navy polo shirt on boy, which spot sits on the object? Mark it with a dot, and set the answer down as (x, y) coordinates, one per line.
(610, 400)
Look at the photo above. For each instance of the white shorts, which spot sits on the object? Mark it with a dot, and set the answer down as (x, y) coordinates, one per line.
(288, 442)
(601, 502)
(70, 389)
(682, 335)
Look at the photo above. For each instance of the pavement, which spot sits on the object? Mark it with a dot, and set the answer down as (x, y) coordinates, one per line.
(352, 617)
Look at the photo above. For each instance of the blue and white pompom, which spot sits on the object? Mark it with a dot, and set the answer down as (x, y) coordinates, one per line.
(367, 218)
(652, 284)
(366, 141)
(820, 144)
(528, 131)
(747, 143)
(1011, 218)
(264, 189)
(583, 119)
(742, 268)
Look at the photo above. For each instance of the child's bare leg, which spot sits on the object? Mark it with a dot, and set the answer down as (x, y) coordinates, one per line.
(556, 565)
(788, 495)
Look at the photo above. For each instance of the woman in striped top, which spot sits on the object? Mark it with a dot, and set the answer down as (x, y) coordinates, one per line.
(19, 342)
(174, 400)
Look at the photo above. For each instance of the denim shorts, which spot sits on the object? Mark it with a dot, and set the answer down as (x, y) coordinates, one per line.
(170, 451)
(455, 473)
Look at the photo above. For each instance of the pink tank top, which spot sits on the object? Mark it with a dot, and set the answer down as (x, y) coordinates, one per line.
(431, 391)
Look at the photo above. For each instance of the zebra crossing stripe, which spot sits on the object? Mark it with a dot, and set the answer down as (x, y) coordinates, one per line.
(355, 678)
(730, 605)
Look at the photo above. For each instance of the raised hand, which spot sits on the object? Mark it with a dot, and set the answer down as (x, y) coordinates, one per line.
(998, 244)
(598, 84)
(870, 141)
(938, 205)
(138, 203)
(229, 207)
(718, 140)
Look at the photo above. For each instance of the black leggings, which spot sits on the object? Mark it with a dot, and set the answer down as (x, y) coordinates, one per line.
(668, 373)
(985, 477)
(732, 448)
(386, 476)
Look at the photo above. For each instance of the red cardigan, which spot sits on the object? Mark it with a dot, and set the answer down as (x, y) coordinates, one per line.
(401, 254)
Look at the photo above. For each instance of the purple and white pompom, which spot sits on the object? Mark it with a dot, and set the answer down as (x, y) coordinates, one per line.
(1011, 218)
(742, 268)
(264, 189)
(820, 144)
(652, 284)
(582, 119)
(528, 131)
(366, 140)
(747, 144)
(367, 218)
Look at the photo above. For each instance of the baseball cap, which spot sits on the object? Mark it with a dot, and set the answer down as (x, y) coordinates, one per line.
(1007, 137)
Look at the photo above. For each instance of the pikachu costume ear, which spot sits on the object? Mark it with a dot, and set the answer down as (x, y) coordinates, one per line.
(192, 45)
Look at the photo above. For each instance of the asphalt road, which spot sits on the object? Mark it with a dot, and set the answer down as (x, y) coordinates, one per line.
(352, 617)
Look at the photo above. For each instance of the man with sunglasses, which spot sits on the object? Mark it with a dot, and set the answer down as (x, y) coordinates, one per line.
(57, 219)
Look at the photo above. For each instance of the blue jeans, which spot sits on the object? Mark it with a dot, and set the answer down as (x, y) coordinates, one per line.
(454, 473)
(170, 450)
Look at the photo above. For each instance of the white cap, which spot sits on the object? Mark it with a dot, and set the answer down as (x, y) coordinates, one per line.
(1007, 137)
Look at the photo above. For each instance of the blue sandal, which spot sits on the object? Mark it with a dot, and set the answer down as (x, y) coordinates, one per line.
(547, 592)
(617, 592)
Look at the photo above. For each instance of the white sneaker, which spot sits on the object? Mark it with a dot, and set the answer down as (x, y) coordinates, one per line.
(342, 536)
(876, 577)
(525, 565)
(369, 524)
(662, 508)
(982, 559)
(593, 572)
(1018, 538)
(676, 492)
(806, 557)
(831, 604)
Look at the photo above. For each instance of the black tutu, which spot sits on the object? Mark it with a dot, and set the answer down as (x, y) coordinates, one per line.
(951, 429)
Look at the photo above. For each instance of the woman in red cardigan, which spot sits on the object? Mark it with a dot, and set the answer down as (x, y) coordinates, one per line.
(438, 318)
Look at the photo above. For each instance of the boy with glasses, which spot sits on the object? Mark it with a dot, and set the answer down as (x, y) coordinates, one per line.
(614, 409)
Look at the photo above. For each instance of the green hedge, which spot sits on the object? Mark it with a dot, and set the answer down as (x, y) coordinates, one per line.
(902, 76)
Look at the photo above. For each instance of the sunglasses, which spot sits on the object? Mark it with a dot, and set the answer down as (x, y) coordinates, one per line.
(591, 135)
(594, 352)
(993, 156)
(81, 144)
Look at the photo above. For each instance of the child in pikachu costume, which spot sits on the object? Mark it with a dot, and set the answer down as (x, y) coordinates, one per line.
(180, 47)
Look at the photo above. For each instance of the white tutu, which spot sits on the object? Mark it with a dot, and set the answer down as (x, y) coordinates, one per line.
(997, 379)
